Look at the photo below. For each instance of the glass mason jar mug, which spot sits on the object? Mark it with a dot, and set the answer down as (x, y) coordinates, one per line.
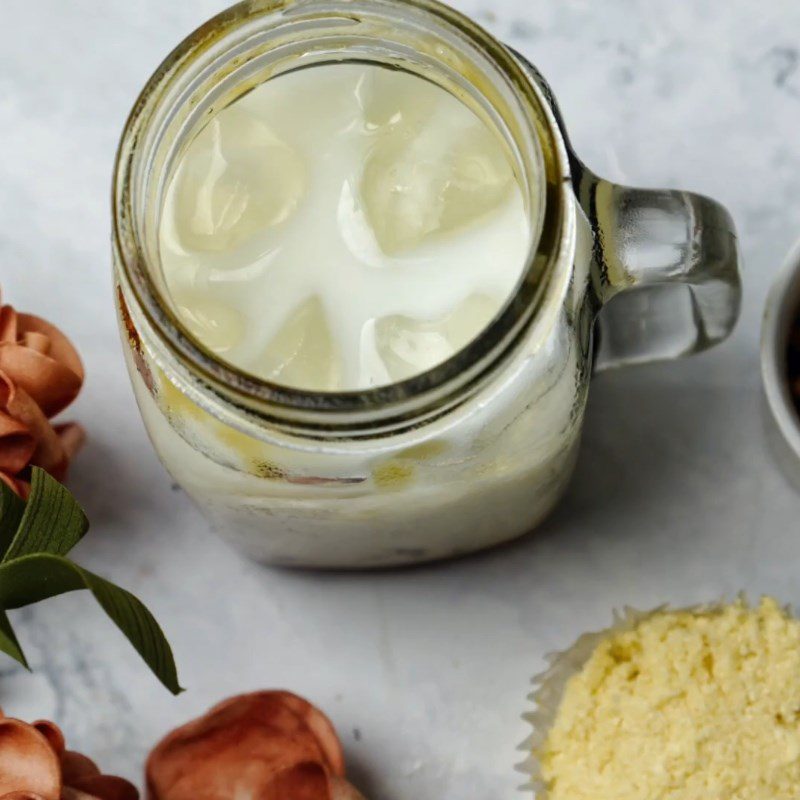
(477, 450)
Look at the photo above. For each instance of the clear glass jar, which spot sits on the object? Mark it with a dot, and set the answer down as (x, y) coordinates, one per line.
(478, 450)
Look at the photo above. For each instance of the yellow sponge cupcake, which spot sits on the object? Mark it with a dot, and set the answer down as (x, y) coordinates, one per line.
(693, 704)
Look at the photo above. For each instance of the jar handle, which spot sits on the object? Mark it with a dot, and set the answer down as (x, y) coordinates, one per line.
(667, 264)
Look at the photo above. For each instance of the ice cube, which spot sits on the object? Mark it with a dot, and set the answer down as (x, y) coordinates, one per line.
(303, 352)
(238, 181)
(408, 346)
(391, 103)
(217, 325)
(452, 172)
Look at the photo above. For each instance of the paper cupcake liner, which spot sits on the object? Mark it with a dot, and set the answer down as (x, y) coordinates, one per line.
(550, 684)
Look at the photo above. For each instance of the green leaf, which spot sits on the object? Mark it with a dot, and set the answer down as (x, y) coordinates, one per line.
(34, 538)
(39, 576)
(53, 521)
(12, 508)
(8, 641)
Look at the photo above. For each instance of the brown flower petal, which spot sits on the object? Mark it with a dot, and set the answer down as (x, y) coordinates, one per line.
(49, 453)
(17, 444)
(104, 787)
(72, 437)
(260, 746)
(27, 761)
(52, 385)
(34, 765)
(76, 767)
(68, 793)
(61, 348)
(53, 734)
(320, 726)
(307, 781)
(36, 341)
(8, 324)
(20, 487)
(40, 374)
(342, 790)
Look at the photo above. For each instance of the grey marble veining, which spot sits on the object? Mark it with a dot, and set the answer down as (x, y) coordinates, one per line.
(425, 672)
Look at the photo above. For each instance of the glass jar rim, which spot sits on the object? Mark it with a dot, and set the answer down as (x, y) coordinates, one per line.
(430, 392)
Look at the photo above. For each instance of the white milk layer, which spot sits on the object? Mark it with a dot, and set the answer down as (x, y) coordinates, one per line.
(341, 227)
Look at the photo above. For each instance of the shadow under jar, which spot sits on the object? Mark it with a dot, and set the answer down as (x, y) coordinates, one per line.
(477, 450)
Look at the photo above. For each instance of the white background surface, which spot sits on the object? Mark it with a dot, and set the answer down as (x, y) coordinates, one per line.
(425, 671)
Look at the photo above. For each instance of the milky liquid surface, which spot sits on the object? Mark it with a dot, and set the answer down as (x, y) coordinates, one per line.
(342, 227)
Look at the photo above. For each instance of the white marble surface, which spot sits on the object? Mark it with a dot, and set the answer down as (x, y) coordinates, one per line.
(425, 671)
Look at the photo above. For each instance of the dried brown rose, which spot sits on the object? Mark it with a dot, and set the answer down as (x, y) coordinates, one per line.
(40, 375)
(261, 746)
(35, 765)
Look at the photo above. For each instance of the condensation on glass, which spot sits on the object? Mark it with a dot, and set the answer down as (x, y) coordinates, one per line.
(478, 450)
